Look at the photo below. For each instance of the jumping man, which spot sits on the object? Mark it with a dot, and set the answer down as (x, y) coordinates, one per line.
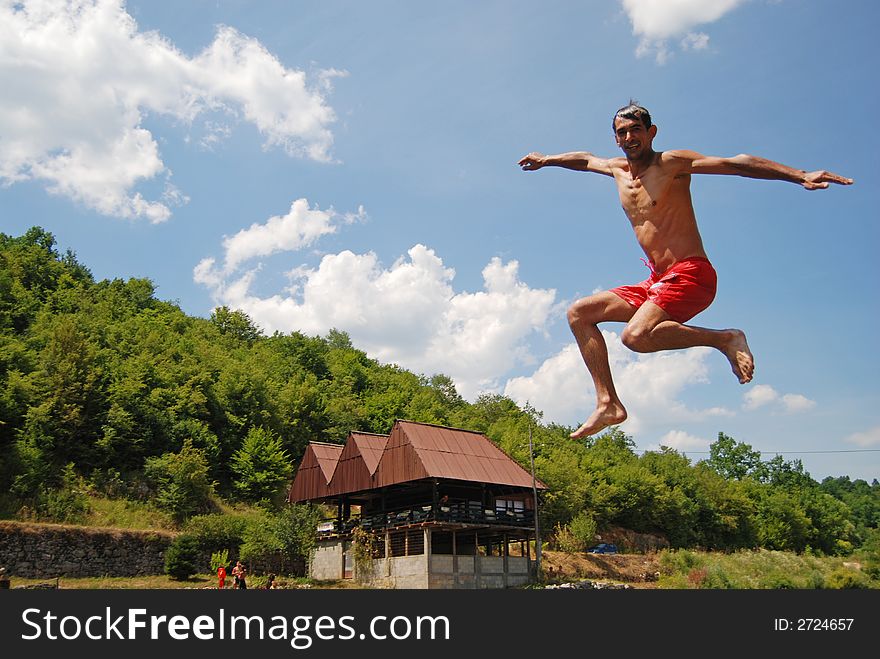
(654, 190)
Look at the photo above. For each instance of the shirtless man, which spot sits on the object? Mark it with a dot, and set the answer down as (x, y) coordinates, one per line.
(654, 190)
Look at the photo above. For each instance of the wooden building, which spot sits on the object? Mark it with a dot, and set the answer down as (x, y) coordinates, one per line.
(444, 507)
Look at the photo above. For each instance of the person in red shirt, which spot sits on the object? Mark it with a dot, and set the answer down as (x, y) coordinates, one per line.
(221, 577)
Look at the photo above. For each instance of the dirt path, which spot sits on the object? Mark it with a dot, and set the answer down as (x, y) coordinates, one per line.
(637, 570)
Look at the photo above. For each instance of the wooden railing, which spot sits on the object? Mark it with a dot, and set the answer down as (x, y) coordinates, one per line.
(455, 513)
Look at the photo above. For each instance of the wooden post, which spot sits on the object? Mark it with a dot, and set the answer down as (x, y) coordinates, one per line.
(535, 500)
(427, 542)
(505, 561)
(387, 552)
(477, 561)
(454, 561)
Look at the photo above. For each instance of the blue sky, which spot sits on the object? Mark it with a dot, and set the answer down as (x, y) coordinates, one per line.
(352, 164)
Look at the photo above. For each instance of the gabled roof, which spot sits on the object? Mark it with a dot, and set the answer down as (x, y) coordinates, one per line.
(371, 447)
(357, 463)
(419, 450)
(315, 471)
(327, 456)
(413, 451)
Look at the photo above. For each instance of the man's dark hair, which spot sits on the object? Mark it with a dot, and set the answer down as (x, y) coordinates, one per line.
(632, 111)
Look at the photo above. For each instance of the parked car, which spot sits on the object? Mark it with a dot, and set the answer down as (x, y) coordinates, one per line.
(603, 548)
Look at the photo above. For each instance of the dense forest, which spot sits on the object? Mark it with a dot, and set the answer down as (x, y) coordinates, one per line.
(106, 390)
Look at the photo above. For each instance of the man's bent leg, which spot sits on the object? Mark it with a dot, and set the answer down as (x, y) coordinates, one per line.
(651, 330)
(583, 318)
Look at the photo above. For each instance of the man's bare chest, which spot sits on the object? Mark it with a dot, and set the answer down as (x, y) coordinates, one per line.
(651, 195)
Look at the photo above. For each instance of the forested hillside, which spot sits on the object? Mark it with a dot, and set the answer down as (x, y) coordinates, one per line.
(107, 391)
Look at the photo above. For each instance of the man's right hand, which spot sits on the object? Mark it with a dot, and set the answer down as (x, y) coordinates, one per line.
(819, 180)
(532, 161)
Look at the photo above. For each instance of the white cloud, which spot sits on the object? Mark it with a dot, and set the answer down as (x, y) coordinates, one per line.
(865, 439)
(682, 441)
(79, 78)
(657, 21)
(648, 384)
(407, 313)
(695, 41)
(797, 403)
(759, 396)
(301, 227)
(762, 395)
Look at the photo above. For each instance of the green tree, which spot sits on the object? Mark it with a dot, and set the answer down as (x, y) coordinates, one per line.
(734, 460)
(181, 480)
(235, 324)
(780, 522)
(182, 558)
(72, 401)
(261, 467)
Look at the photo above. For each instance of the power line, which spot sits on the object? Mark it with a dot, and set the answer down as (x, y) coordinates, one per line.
(857, 450)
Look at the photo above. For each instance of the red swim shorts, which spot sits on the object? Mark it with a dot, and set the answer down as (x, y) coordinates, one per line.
(683, 291)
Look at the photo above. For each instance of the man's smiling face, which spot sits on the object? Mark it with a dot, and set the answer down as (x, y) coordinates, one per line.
(633, 138)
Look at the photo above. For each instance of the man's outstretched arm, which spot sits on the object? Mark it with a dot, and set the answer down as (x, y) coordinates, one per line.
(692, 162)
(577, 160)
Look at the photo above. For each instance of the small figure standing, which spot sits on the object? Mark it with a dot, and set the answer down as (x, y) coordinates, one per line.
(242, 577)
(221, 577)
(236, 575)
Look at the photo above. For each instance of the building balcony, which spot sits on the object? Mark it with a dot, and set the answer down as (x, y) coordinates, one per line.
(463, 514)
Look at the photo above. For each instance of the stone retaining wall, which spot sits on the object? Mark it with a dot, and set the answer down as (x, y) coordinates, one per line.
(44, 551)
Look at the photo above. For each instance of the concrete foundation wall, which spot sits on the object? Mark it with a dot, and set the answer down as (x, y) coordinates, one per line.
(427, 571)
(326, 562)
(409, 572)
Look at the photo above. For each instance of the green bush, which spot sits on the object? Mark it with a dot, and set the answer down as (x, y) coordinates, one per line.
(261, 543)
(181, 558)
(777, 581)
(583, 528)
(276, 540)
(219, 559)
(679, 561)
(217, 532)
(28, 467)
(846, 578)
(64, 506)
(67, 504)
(181, 481)
(564, 540)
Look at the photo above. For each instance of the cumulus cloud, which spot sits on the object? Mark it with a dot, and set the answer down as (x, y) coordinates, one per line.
(763, 395)
(797, 403)
(655, 22)
(650, 386)
(759, 396)
(407, 313)
(299, 228)
(866, 439)
(682, 441)
(79, 78)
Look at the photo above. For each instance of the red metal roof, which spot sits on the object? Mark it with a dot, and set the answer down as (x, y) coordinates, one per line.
(327, 456)
(315, 471)
(463, 455)
(357, 462)
(413, 451)
(370, 447)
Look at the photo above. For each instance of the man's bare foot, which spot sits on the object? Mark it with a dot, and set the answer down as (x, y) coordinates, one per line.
(739, 356)
(604, 416)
